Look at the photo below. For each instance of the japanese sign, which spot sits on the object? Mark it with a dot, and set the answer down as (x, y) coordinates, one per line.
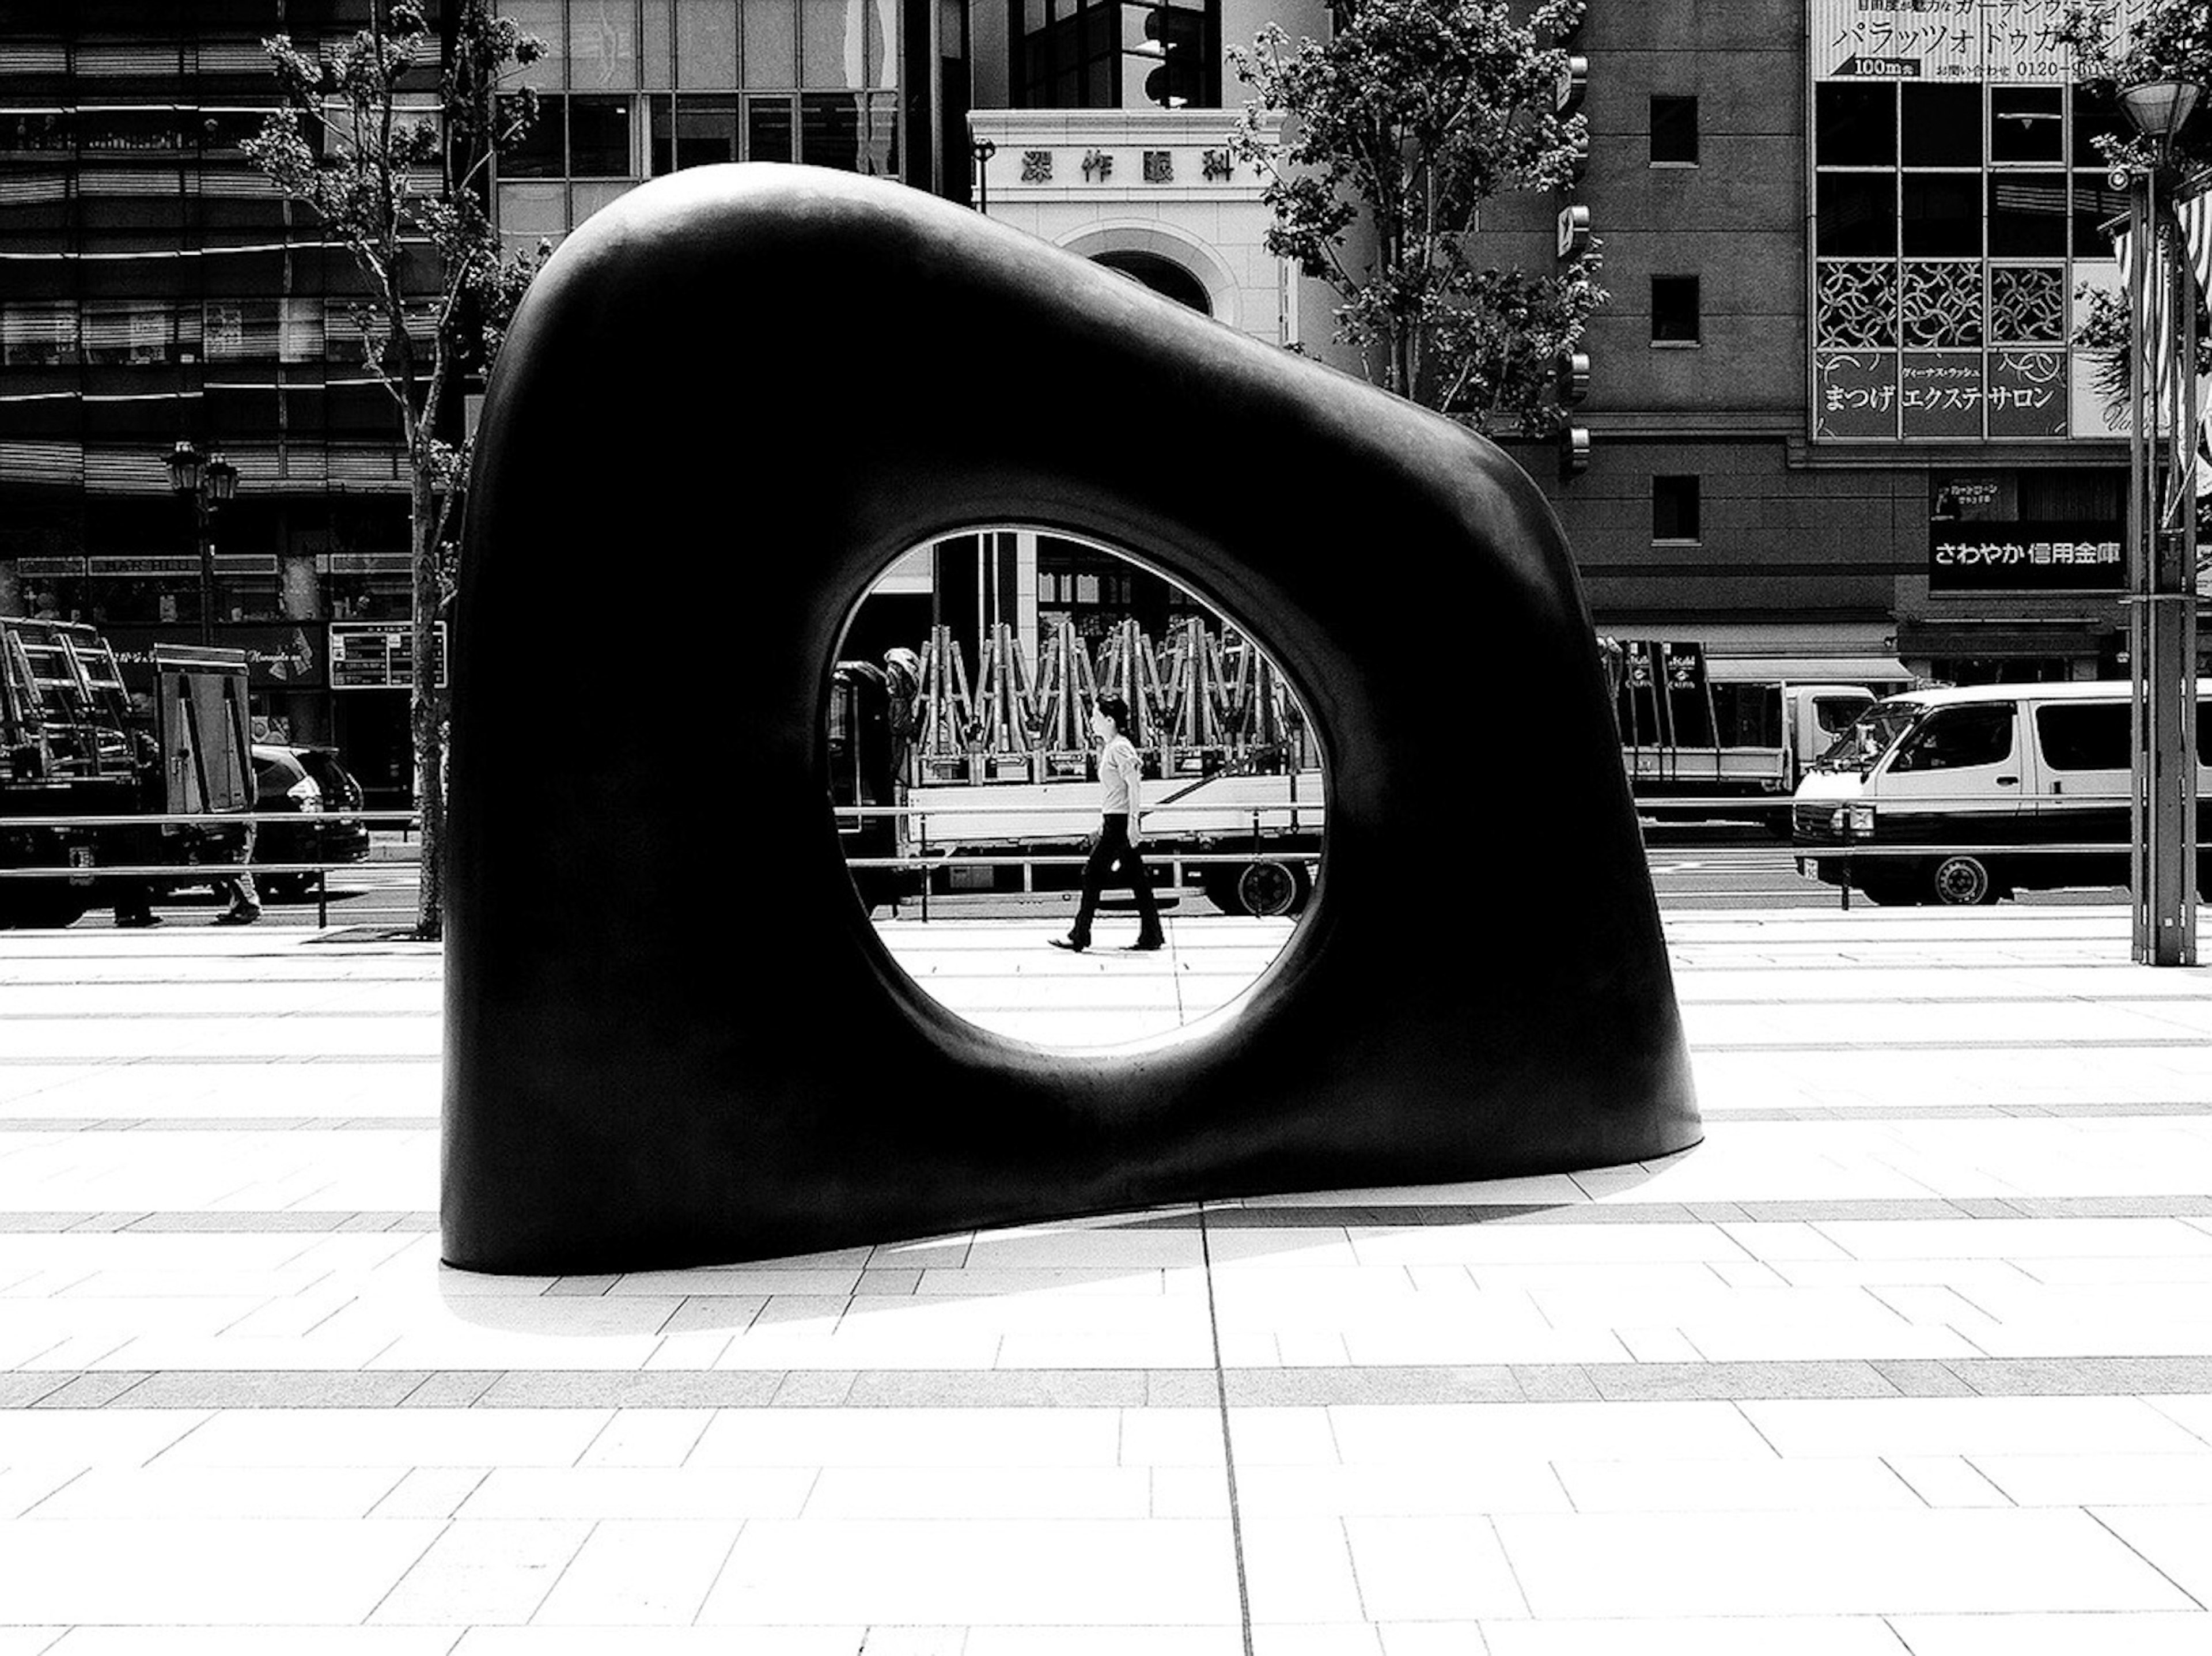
(377, 654)
(2031, 557)
(2028, 394)
(1855, 393)
(1996, 40)
(1937, 394)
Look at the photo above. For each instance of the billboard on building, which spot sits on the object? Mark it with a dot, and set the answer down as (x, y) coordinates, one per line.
(1959, 207)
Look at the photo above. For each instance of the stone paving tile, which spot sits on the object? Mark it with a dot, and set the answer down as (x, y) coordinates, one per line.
(1915, 1379)
(1100, 1388)
(1620, 1382)
(93, 1390)
(615, 1389)
(2144, 1633)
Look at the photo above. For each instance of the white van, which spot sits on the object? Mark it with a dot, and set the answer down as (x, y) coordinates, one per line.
(2000, 771)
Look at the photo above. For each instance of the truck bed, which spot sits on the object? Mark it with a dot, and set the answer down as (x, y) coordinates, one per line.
(963, 816)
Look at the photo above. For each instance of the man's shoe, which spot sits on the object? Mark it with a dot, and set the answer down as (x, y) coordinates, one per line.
(1144, 945)
(238, 917)
(130, 923)
(1073, 946)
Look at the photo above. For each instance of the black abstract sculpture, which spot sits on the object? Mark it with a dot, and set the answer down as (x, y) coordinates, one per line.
(729, 402)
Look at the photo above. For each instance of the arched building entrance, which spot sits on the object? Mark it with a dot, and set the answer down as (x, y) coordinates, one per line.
(1163, 275)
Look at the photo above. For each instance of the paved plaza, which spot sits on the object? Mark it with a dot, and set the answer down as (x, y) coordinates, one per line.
(1914, 1353)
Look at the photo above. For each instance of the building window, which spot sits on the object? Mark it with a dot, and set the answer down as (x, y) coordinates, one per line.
(598, 137)
(1116, 54)
(1952, 220)
(1674, 310)
(1674, 508)
(1674, 131)
(538, 153)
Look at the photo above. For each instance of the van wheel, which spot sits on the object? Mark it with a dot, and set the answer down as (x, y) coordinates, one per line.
(1962, 882)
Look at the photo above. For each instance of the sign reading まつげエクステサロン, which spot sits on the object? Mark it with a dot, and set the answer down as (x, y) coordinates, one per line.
(1965, 556)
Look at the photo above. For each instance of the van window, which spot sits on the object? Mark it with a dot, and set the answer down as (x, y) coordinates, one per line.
(1954, 738)
(1834, 713)
(2091, 736)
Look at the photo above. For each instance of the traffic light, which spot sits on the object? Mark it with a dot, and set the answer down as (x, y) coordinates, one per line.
(1179, 34)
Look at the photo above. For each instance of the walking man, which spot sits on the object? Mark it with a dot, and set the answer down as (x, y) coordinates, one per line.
(1120, 777)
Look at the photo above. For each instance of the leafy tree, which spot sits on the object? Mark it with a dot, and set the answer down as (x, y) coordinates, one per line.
(2171, 40)
(388, 137)
(1397, 131)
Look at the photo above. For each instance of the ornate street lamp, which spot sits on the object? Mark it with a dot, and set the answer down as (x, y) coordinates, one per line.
(2162, 538)
(208, 482)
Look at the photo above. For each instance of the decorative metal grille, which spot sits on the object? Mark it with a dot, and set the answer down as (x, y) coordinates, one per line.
(2027, 304)
(1943, 304)
(1858, 302)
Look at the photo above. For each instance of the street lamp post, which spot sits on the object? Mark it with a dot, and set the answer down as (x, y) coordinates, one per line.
(2162, 540)
(207, 482)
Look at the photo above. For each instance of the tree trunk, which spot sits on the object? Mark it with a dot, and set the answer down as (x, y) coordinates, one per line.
(425, 703)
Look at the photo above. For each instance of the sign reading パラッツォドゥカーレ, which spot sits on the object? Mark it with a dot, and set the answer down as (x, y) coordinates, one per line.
(1993, 41)
(1985, 557)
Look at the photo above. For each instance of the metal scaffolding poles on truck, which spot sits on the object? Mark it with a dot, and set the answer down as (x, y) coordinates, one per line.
(1236, 801)
(73, 746)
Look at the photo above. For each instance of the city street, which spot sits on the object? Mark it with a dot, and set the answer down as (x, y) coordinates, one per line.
(1693, 867)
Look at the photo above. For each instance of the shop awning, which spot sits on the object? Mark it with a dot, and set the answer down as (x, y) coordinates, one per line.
(1868, 670)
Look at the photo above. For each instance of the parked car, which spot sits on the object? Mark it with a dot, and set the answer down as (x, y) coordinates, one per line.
(312, 781)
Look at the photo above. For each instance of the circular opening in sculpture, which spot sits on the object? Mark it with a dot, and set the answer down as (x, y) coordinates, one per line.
(999, 700)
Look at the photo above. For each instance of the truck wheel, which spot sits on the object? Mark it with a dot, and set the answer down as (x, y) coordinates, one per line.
(1267, 888)
(1962, 882)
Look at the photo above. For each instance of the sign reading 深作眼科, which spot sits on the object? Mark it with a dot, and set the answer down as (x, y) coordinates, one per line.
(1985, 557)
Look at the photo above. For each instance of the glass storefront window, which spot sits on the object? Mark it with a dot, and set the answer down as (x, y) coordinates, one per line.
(707, 42)
(543, 19)
(240, 331)
(599, 137)
(829, 131)
(133, 332)
(1941, 213)
(660, 142)
(768, 131)
(2027, 214)
(538, 153)
(1956, 249)
(2096, 205)
(706, 131)
(1941, 126)
(2027, 124)
(602, 43)
(832, 47)
(528, 212)
(1858, 214)
(586, 198)
(38, 333)
(771, 43)
(1856, 123)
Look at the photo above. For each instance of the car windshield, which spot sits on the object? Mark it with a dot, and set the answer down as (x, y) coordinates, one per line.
(1871, 736)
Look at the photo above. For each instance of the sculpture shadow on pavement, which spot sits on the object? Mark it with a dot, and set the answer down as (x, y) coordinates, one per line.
(672, 1035)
